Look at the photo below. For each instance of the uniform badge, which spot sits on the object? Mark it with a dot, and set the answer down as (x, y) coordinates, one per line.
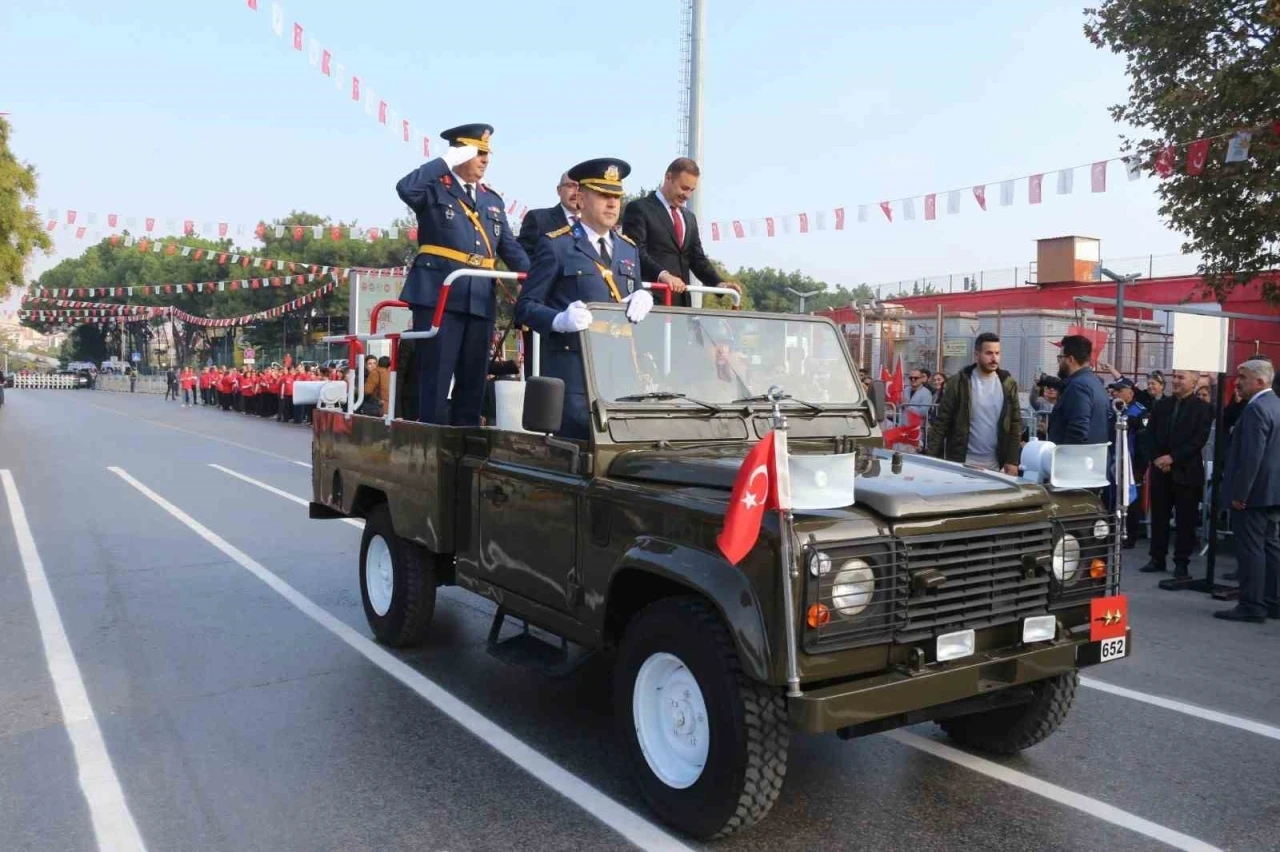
(448, 213)
(611, 173)
(628, 267)
(497, 229)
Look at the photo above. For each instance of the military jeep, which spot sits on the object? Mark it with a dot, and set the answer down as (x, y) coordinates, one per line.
(926, 591)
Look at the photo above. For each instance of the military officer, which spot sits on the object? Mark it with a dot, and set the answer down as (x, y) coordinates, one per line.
(585, 262)
(461, 224)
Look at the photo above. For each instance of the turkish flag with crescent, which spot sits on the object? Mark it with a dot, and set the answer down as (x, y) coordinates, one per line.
(754, 491)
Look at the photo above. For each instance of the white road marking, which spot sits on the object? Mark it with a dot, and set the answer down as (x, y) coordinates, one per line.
(1061, 795)
(276, 491)
(197, 434)
(1260, 728)
(621, 819)
(1253, 727)
(113, 825)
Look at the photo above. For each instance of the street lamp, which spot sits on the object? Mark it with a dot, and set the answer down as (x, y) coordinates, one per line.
(1121, 281)
(802, 296)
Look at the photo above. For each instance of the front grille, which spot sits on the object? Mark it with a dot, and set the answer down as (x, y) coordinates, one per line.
(985, 580)
(882, 616)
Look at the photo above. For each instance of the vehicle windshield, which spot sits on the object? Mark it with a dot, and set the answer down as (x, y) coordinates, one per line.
(718, 358)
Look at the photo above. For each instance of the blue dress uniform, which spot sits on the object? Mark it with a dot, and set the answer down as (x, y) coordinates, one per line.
(567, 268)
(454, 233)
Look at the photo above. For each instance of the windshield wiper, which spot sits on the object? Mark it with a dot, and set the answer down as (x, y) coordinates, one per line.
(764, 397)
(663, 395)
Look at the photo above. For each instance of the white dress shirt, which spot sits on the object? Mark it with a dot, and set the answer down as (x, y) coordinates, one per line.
(594, 238)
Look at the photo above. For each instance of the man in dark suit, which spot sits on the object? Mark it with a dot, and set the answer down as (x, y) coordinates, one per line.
(1080, 415)
(1253, 487)
(666, 233)
(461, 224)
(544, 220)
(1174, 442)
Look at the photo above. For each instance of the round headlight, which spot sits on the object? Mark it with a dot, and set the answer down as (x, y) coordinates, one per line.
(854, 587)
(1101, 529)
(819, 563)
(1066, 558)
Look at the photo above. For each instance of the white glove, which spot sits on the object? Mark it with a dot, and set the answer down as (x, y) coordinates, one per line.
(576, 317)
(638, 305)
(454, 157)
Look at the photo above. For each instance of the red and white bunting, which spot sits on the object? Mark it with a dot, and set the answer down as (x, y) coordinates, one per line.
(1235, 148)
(95, 226)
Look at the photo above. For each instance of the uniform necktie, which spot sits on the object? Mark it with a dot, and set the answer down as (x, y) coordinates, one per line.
(678, 224)
(604, 252)
(471, 194)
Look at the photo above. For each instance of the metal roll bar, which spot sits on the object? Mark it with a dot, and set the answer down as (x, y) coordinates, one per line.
(355, 390)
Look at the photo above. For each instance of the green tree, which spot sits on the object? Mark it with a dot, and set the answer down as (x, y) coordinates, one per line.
(1201, 68)
(20, 231)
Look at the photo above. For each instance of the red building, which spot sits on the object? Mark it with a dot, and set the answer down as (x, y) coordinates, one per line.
(1247, 336)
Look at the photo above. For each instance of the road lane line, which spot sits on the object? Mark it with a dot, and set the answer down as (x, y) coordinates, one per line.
(196, 434)
(113, 825)
(1260, 728)
(621, 819)
(1205, 713)
(276, 491)
(1085, 804)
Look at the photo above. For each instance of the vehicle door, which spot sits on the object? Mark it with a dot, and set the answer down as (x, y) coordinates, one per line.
(530, 500)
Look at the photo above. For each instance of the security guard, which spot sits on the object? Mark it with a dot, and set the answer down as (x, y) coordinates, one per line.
(586, 262)
(461, 224)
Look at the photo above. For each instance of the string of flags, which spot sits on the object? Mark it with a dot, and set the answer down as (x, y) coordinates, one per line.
(263, 283)
(1193, 157)
(95, 225)
(97, 312)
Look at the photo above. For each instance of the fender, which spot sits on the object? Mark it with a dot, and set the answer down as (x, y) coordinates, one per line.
(708, 574)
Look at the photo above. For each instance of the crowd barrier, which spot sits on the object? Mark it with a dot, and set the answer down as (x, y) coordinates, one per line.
(120, 384)
(46, 381)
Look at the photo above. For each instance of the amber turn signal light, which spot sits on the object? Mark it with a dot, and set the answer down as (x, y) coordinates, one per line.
(1097, 569)
(818, 616)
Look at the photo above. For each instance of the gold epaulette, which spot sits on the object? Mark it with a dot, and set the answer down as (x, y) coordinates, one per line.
(625, 238)
(560, 232)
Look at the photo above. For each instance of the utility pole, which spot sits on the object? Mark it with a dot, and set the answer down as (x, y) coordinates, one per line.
(696, 39)
(1121, 281)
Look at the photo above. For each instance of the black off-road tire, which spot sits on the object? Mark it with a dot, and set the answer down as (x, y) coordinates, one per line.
(413, 595)
(1009, 730)
(749, 733)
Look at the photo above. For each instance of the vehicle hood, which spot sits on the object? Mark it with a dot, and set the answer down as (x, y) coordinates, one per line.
(917, 487)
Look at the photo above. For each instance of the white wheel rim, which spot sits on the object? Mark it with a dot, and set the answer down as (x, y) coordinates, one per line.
(671, 720)
(379, 575)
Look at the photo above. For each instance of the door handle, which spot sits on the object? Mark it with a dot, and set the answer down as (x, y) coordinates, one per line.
(495, 495)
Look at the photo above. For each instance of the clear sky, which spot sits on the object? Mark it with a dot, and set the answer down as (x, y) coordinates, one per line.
(195, 109)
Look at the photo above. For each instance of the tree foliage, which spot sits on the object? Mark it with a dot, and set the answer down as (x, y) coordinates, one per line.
(1197, 69)
(20, 231)
(119, 265)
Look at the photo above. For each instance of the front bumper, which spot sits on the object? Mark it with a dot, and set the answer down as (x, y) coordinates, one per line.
(899, 693)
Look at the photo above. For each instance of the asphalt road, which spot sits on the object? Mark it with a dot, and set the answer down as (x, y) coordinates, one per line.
(185, 665)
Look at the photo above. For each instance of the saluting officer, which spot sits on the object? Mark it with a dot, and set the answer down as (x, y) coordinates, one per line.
(585, 262)
(461, 224)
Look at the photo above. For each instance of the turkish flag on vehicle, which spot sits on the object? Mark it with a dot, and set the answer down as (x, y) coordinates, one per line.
(763, 482)
(908, 434)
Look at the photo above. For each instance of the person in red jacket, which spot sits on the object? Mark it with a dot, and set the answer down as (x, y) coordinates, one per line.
(223, 385)
(209, 379)
(248, 391)
(271, 399)
(285, 415)
(188, 381)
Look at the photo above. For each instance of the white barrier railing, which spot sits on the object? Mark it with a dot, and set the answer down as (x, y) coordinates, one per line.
(46, 381)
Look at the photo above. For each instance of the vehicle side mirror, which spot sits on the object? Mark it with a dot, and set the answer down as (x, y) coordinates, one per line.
(878, 399)
(543, 404)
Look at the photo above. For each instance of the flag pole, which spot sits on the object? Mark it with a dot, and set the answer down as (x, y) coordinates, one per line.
(790, 572)
(1121, 479)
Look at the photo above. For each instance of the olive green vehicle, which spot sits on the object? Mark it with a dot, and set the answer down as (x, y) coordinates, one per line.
(922, 591)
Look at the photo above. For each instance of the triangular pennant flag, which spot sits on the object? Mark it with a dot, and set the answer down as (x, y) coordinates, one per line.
(886, 208)
(980, 194)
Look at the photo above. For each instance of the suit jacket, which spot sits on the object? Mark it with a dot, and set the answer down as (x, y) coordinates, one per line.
(647, 221)
(1080, 416)
(537, 223)
(564, 271)
(1184, 442)
(440, 202)
(1253, 462)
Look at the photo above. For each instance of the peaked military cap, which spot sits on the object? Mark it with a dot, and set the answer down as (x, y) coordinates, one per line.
(603, 174)
(476, 135)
